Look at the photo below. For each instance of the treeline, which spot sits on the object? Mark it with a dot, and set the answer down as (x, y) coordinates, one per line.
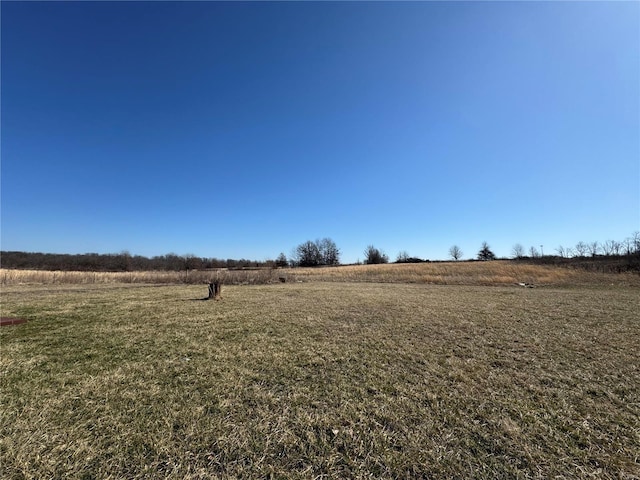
(119, 262)
(623, 262)
(610, 256)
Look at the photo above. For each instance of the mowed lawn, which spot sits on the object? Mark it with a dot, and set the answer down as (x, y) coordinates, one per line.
(320, 380)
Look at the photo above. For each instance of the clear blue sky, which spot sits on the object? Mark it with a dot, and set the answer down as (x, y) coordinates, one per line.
(239, 130)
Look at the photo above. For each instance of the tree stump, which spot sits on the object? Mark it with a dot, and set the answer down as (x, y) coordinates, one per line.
(214, 290)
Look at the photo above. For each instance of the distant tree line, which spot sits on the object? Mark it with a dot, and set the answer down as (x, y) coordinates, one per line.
(610, 255)
(325, 252)
(119, 262)
(610, 248)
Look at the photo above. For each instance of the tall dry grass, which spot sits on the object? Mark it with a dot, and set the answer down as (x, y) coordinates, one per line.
(435, 273)
(462, 273)
(234, 277)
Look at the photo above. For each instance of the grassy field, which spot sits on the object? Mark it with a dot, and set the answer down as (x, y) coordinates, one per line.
(320, 380)
(502, 272)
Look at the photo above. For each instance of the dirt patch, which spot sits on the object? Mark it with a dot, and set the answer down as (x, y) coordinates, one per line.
(6, 321)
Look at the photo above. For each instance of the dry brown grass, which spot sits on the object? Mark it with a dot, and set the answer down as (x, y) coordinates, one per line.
(320, 380)
(435, 273)
(235, 277)
(463, 273)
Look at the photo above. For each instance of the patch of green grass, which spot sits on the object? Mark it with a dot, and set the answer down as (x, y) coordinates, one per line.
(320, 380)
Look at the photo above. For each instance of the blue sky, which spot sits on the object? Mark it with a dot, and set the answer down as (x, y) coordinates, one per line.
(239, 130)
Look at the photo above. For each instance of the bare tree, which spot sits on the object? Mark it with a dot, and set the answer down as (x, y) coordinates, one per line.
(627, 246)
(608, 247)
(517, 251)
(373, 255)
(402, 257)
(631, 245)
(594, 248)
(455, 252)
(313, 254)
(635, 239)
(307, 254)
(581, 249)
(616, 247)
(329, 252)
(533, 253)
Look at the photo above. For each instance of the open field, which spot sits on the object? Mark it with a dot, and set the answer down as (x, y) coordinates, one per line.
(320, 380)
(503, 272)
(237, 277)
(500, 272)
